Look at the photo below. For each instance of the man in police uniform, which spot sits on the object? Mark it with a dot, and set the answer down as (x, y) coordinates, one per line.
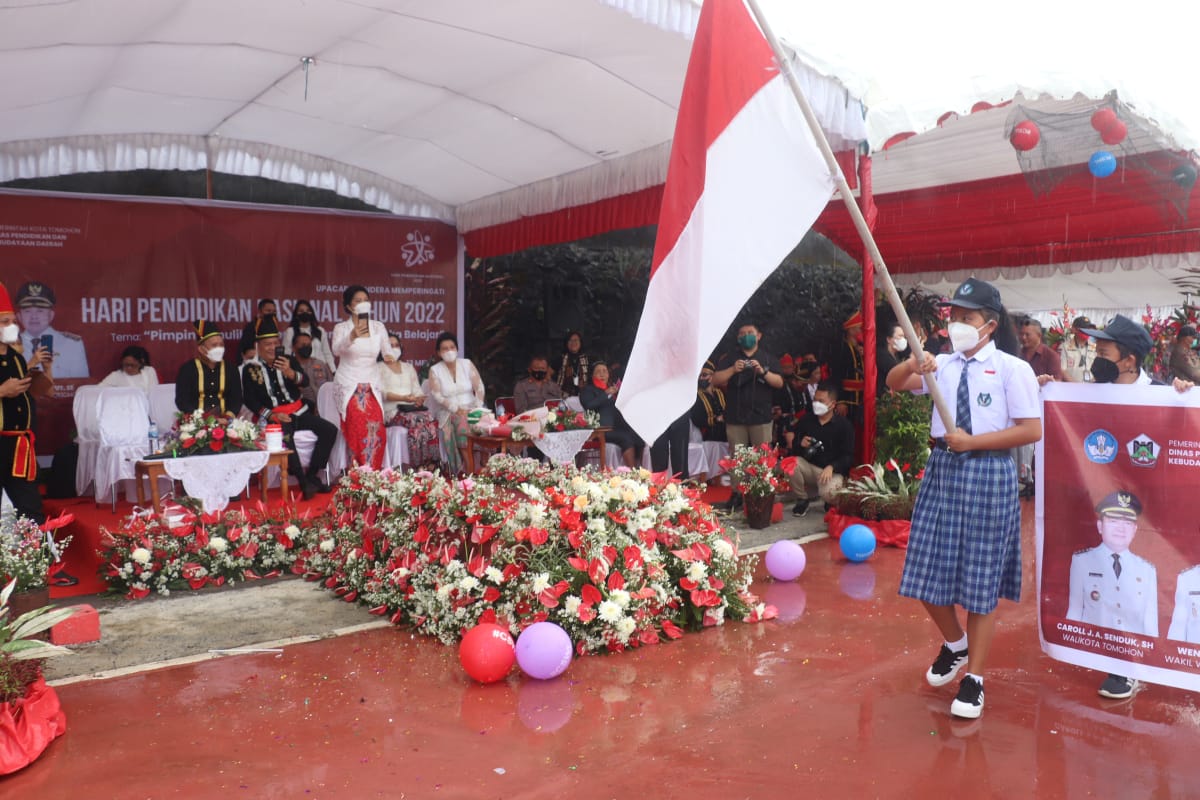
(271, 384)
(35, 307)
(208, 381)
(1112, 587)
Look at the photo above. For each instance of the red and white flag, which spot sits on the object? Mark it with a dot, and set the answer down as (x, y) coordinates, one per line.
(745, 182)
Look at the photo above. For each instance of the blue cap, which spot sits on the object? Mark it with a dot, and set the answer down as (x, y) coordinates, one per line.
(1125, 332)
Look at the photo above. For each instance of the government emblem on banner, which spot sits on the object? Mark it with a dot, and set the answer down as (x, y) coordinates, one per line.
(418, 249)
(1100, 447)
(1143, 451)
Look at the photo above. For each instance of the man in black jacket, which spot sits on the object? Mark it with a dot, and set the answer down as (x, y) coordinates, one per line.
(271, 385)
(824, 443)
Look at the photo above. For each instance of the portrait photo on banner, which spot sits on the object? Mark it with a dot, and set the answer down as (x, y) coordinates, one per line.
(1118, 530)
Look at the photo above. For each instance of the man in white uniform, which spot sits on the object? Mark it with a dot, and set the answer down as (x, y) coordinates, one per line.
(1110, 586)
(1185, 619)
(35, 309)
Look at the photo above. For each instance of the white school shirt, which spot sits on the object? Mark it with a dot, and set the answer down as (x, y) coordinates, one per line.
(1003, 390)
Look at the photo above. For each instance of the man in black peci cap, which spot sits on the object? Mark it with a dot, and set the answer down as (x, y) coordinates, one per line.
(208, 381)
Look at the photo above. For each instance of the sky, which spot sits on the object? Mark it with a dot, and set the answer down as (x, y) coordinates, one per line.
(913, 61)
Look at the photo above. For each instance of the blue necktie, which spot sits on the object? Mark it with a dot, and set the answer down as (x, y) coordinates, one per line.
(963, 412)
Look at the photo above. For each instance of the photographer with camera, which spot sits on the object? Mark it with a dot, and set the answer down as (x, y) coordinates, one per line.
(824, 443)
(749, 375)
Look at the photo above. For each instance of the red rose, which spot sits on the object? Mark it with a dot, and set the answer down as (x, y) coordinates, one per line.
(188, 442)
(215, 446)
(218, 434)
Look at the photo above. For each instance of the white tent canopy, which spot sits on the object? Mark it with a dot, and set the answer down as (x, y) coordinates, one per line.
(475, 112)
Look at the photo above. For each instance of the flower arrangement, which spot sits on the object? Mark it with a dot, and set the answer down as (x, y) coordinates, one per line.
(203, 432)
(28, 554)
(1163, 333)
(877, 492)
(560, 420)
(1060, 326)
(759, 471)
(618, 560)
(151, 555)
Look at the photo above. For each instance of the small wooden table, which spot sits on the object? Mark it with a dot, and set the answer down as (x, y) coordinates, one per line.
(153, 469)
(503, 444)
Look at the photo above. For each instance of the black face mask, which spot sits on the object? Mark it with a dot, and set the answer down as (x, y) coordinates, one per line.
(304, 317)
(1104, 371)
(305, 351)
(538, 374)
(704, 383)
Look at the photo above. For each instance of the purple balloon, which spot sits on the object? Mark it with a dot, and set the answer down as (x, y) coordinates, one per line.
(544, 650)
(785, 560)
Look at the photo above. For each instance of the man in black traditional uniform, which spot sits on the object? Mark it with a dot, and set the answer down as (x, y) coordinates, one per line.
(208, 381)
(271, 385)
(847, 370)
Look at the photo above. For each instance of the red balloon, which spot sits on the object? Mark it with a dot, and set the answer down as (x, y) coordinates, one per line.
(1103, 118)
(487, 653)
(1025, 136)
(1114, 133)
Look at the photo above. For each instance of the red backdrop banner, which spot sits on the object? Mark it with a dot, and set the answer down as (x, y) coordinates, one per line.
(1139, 442)
(127, 271)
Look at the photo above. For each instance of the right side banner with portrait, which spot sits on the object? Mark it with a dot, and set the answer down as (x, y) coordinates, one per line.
(1118, 530)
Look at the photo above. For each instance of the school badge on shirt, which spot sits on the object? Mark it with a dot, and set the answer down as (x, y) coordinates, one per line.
(983, 400)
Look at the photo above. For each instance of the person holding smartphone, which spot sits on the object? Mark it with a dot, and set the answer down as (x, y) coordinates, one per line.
(358, 343)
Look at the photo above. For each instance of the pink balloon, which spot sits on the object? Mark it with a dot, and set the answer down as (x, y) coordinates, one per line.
(785, 560)
(544, 651)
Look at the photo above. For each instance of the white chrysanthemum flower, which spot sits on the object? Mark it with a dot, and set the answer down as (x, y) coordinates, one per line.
(625, 627)
(620, 597)
(351, 556)
(541, 582)
(217, 544)
(400, 572)
(141, 555)
(723, 548)
(494, 575)
(443, 592)
(327, 545)
(697, 571)
(609, 611)
(571, 605)
(292, 531)
(597, 525)
(469, 583)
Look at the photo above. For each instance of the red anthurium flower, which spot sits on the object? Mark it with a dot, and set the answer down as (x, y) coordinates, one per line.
(578, 563)
(649, 538)
(633, 557)
(477, 566)
(705, 597)
(379, 611)
(491, 594)
(250, 575)
(590, 595)
(350, 597)
(616, 581)
(138, 594)
(488, 617)
(671, 630)
(548, 598)
(597, 570)
(788, 465)
(538, 536)
(648, 636)
(586, 614)
(511, 571)
(687, 584)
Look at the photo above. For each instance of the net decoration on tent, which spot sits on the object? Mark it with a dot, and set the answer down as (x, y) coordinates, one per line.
(1109, 141)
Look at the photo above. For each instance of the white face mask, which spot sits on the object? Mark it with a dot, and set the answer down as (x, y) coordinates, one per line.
(216, 354)
(9, 334)
(450, 356)
(899, 344)
(819, 408)
(363, 308)
(963, 337)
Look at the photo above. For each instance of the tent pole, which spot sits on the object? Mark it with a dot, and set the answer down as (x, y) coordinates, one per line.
(860, 224)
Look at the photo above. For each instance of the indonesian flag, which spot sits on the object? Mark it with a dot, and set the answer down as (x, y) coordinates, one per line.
(745, 182)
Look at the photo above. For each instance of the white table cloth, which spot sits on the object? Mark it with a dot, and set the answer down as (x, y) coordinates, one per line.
(213, 479)
(561, 447)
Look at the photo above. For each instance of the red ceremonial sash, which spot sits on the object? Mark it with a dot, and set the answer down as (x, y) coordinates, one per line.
(24, 461)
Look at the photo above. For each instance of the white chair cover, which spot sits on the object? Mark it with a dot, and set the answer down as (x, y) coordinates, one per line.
(124, 425)
(396, 456)
(87, 435)
(162, 407)
(434, 407)
(327, 407)
(713, 451)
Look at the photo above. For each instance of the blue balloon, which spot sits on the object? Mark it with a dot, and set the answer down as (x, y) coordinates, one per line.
(858, 542)
(1102, 164)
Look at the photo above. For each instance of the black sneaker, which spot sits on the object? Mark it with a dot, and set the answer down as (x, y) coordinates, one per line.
(946, 666)
(61, 578)
(800, 509)
(969, 702)
(1117, 687)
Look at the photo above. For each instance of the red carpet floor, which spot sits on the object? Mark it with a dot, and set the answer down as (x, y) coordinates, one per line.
(828, 701)
(82, 558)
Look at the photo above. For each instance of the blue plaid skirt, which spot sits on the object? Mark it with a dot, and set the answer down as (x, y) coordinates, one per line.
(965, 544)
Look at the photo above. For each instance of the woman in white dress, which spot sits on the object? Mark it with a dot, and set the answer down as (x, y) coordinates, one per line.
(404, 405)
(135, 371)
(358, 343)
(455, 385)
(305, 319)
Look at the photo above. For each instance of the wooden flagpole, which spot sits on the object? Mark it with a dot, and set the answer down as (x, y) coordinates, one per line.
(860, 223)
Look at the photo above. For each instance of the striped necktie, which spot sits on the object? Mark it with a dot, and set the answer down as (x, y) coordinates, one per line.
(963, 412)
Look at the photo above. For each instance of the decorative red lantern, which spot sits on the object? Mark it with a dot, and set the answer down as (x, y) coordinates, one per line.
(1025, 136)
(1115, 133)
(1103, 118)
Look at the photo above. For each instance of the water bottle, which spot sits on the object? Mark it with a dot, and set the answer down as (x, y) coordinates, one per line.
(153, 436)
